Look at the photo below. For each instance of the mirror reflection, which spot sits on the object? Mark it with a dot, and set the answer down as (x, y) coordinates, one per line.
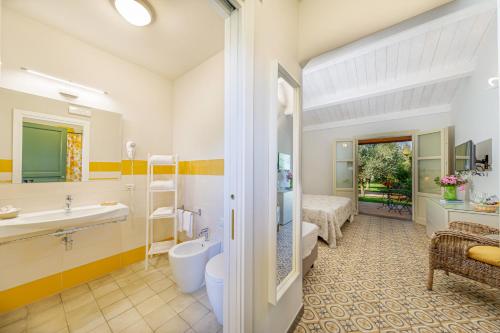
(51, 152)
(285, 196)
(47, 140)
(483, 152)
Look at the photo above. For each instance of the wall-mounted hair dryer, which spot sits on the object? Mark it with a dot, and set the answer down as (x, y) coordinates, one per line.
(130, 145)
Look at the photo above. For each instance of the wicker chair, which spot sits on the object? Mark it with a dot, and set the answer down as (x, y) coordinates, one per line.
(449, 251)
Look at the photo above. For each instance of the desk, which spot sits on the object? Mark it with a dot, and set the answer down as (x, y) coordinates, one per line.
(439, 215)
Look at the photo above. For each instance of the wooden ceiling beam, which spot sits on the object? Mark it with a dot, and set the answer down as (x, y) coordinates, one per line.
(409, 82)
(381, 117)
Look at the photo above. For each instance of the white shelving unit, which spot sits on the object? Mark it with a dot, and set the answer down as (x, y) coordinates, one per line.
(156, 187)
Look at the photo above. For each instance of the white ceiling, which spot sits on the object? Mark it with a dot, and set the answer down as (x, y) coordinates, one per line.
(414, 71)
(183, 34)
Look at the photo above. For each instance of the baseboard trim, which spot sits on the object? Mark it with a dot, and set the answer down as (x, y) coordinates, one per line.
(16, 297)
(296, 321)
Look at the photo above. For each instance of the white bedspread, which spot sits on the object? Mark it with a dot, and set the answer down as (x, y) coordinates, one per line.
(329, 213)
(309, 238)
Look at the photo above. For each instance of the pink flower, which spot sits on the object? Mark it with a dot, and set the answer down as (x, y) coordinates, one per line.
(450, 180)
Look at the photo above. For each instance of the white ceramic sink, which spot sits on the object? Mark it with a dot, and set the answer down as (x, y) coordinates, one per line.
(60, 219)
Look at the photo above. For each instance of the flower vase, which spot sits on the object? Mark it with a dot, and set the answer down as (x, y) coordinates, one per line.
(450, 193)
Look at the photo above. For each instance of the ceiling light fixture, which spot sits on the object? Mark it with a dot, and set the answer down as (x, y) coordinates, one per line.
(135, 12)
(66, 82)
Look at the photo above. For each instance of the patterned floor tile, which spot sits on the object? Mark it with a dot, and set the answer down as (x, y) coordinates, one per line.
(375, 281)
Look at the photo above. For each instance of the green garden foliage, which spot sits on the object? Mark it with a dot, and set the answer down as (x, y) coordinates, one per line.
(384, 163)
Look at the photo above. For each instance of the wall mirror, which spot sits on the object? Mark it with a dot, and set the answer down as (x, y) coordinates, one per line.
(49, 148)
(284, 184)
(45, 140)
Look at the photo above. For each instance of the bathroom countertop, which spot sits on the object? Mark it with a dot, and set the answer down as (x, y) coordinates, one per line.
(17, 229)
(9, 233)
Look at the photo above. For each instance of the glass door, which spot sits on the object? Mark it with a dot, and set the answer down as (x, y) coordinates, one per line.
(431, 161)
(344, 175)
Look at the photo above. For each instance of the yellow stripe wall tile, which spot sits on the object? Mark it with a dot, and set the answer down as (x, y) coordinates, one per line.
(5, 165)
(202, 167)
(141, 168)
(105, 170)
(11, 299)
(197, 167)
(164, 169)
(16, 297)
(133, 256)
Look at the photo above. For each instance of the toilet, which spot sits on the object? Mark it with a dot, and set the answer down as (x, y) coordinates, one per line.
(188, 261)
(214, 278)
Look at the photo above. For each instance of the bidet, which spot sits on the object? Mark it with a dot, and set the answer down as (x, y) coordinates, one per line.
(188, 262)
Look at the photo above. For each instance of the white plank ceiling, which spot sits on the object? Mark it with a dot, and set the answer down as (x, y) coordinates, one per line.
(418, 70)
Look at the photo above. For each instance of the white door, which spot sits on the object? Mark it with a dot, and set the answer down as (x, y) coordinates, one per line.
(344, 170)
(430, 161)
(238, 155)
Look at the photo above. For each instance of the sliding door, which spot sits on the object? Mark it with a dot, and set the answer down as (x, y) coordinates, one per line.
(430, 161)
(344, 170)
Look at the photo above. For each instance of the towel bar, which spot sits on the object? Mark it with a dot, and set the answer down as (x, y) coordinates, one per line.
(197, 212)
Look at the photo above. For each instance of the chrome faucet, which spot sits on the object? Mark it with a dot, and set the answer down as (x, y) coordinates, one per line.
(204, 232)
(69, 200)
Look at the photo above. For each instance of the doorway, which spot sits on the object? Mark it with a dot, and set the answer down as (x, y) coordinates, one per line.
(384, 177)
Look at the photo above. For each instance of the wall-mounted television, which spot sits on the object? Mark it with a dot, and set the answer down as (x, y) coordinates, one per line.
(464, 156)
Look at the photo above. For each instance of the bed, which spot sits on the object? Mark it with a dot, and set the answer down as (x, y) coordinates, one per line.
(329, 213)
(309, 246)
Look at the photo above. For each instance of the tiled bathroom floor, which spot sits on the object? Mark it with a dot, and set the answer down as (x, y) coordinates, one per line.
(128, 300)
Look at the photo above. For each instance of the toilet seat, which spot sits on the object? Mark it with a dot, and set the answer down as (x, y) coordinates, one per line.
(215, 269)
